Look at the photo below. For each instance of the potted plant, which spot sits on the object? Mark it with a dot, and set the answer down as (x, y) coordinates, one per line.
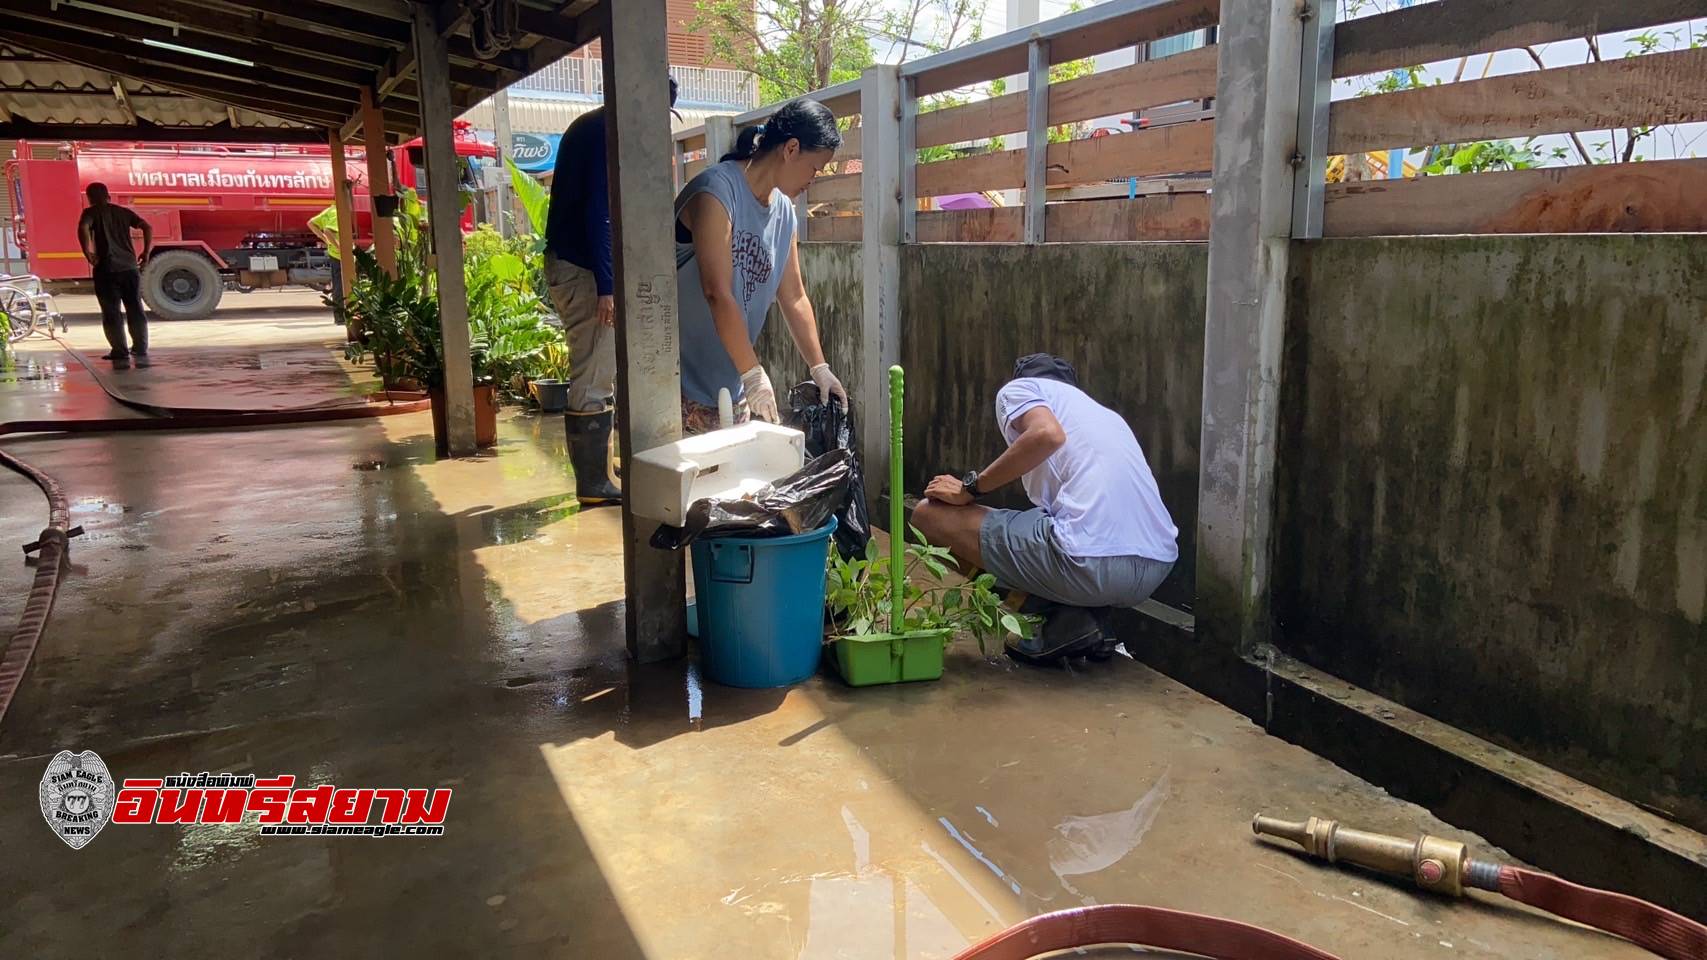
(508, 330)
(378, 309)
(867, 594)
(550, 386)
(863, 597)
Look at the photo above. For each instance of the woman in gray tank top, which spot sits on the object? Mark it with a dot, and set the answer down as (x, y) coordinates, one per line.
(736, 255)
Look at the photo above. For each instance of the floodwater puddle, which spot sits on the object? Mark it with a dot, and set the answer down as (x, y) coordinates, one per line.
(1084, 845)
(871, 910)
(696, 697)
(89, 505)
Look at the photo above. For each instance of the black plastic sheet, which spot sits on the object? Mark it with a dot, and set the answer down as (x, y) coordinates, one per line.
(830, 426)
(800, 502)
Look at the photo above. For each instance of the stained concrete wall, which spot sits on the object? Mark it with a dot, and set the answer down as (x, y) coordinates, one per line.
(1128, 316)
(1492, 463)
(968, 310)
(833, 275)
(1491, 500)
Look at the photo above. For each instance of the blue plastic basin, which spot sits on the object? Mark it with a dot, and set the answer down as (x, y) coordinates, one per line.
(760, 607)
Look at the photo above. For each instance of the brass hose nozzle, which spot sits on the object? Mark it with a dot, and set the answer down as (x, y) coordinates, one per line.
(1434, 864)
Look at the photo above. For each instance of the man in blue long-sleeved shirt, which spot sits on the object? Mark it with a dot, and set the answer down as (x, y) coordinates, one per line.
(578, 271)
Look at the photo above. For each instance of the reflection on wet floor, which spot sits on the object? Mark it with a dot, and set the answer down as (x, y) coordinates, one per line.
(331, 602)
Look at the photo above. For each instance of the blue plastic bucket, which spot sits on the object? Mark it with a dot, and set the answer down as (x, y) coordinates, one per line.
(760, 607)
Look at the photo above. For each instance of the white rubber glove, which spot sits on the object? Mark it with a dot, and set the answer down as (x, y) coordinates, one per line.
(828, 385)
(761, 397)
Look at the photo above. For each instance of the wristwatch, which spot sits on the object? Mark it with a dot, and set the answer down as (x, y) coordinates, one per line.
(969, 480)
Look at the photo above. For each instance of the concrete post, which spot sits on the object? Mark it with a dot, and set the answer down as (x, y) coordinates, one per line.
(1256, 127)
(649, 376)
(346, 219)
(432, 65)
(880, 321)
(719, 138)
(378, 180)
(501, 120)
(1020, 13)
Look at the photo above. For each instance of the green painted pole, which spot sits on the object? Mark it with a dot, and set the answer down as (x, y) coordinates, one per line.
(897, 516)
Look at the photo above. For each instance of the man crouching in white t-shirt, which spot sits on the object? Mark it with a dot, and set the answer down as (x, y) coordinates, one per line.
(1099, 536)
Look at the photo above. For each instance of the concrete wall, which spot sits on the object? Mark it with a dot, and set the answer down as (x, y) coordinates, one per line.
(1128, 316)
(833, 278)
(1492, 462)
(1493, 457)
(968, 310)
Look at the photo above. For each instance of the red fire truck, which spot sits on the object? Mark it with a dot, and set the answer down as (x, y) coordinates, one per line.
(223, 214)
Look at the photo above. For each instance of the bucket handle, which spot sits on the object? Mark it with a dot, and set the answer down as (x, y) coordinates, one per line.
(732, 562)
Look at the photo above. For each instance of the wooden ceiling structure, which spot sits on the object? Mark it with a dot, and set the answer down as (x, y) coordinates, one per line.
(265, 71)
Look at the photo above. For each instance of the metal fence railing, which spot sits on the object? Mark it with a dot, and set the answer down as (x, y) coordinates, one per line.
(585, 77)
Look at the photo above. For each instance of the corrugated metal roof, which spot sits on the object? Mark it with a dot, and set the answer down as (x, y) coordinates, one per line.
(540, 115)
(47, 91)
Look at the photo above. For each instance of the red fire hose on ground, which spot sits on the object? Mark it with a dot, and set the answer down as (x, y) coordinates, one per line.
(1435, 864)
(52, 546)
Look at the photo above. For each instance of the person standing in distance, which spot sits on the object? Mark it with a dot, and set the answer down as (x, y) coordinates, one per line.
(104, 232)
(579, 275)
(736, 255)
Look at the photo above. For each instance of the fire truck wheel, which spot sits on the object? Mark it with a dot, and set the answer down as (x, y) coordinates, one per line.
(181, 285)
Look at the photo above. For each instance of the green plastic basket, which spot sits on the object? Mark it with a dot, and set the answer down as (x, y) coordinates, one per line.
(893, 657)
(886, 658)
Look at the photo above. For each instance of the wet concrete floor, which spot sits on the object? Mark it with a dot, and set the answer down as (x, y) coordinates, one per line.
(330, 602)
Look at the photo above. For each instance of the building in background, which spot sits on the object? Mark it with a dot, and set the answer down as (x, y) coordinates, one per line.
(544, 104)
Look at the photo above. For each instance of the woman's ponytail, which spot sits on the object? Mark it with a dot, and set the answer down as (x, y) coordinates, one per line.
(746, 145)
(805, 120)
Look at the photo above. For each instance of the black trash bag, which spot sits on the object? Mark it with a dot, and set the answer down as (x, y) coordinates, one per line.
(830, 426)
(798, 503)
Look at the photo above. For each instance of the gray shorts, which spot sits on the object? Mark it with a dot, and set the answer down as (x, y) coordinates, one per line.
(1019, 548)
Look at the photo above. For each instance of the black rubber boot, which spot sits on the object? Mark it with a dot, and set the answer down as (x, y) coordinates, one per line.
(589, 456)
(1066, 632)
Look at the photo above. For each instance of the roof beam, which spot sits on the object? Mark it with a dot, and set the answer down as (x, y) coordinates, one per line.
(561, 34)
(237, 25)
(338, 19)
(216, 71)
(565, 26)
(11, 129)
(401, 65)
(124, 99)
(43, 11)
(298, 106)
(96, 53)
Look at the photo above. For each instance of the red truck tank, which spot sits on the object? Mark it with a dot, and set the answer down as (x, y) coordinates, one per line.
(222, 214)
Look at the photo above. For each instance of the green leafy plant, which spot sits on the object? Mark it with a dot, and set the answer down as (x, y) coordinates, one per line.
(554, 361)
(389, 311)
(858, 595)
(507, 321)
(536, 200)
(1484, 155)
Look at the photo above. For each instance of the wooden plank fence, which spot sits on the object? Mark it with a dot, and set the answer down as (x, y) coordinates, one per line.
(1668, 87)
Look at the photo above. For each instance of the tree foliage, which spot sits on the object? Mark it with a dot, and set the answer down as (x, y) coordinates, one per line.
(793, 46)
(798, 46)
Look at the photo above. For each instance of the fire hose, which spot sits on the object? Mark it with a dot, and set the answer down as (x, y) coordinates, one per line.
(1435, 864)
(52, 546)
